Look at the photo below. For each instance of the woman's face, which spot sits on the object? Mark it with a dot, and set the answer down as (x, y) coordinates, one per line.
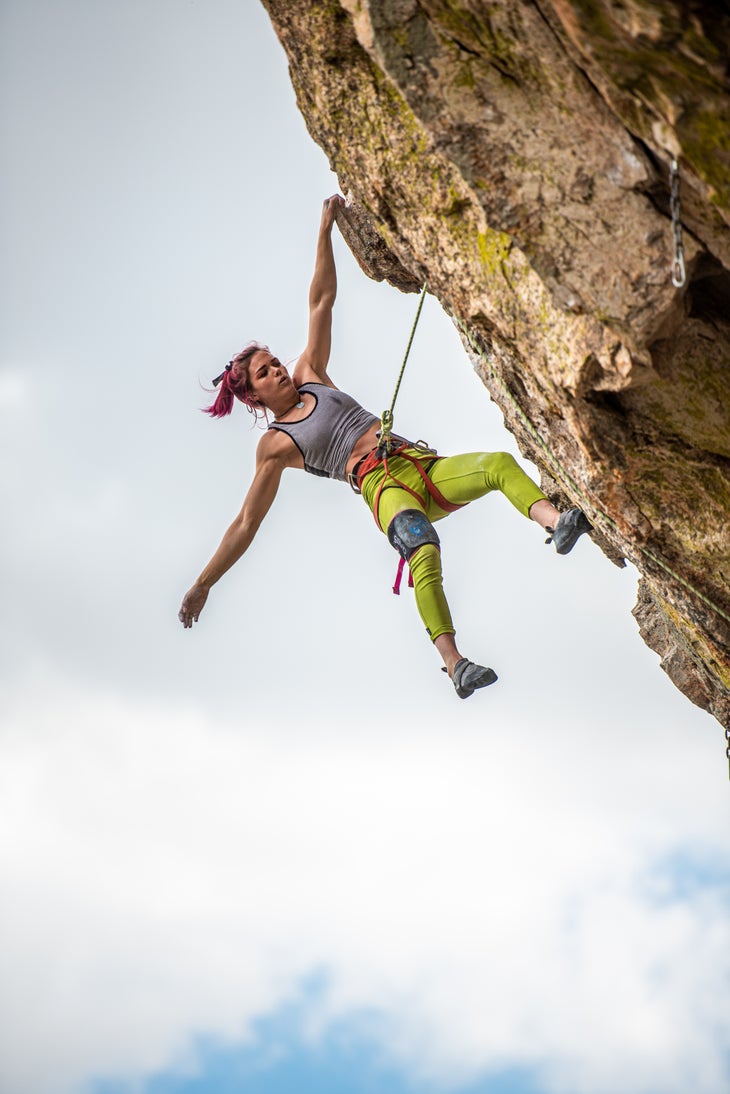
(268, 380)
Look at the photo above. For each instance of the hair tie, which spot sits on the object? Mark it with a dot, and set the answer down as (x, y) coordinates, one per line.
(218, 379)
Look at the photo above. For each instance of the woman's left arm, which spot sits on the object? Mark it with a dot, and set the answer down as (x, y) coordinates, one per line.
(312, 364)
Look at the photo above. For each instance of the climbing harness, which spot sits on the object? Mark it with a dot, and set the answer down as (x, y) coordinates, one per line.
(422, 462)
(401, 451)
(679, 273)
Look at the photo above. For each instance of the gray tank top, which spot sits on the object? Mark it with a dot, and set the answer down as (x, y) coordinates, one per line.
(327, 436)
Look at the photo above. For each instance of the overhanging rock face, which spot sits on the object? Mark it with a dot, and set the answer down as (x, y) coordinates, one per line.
(515, 155)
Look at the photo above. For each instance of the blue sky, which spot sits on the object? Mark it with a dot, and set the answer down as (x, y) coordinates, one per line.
(277, 845)
(279, 1061)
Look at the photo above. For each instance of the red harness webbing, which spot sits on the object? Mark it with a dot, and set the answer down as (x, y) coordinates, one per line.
(399, 575)
(372, 460)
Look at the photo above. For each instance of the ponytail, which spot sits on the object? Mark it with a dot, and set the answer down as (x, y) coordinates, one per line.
(233, 383)
(223, 402)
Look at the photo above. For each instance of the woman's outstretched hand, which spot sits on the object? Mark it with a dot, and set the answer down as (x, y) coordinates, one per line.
(329, 210)
(192, 605)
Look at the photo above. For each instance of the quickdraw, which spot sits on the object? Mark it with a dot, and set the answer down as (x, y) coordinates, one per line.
(679, 273)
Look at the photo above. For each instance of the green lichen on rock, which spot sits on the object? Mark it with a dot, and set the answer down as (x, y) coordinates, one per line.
(494, 249)
(706, 141)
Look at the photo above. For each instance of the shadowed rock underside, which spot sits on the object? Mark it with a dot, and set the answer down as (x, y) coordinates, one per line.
(515, 155)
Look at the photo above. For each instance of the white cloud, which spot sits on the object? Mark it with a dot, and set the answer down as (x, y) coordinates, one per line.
(164, 877)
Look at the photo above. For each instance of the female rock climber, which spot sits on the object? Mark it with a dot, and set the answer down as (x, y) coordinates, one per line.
(318, 428)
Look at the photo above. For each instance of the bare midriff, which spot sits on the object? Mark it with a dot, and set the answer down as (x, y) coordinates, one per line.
(364, 444)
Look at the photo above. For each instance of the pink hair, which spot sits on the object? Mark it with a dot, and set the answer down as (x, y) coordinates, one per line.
(233, 382)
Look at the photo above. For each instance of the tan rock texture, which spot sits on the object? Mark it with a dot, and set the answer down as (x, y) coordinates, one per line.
(516, 156)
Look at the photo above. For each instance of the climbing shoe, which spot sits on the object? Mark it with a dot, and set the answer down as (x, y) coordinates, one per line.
(468, 677)
(571, 525)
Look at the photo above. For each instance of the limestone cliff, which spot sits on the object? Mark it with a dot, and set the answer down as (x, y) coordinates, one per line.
(515, 155)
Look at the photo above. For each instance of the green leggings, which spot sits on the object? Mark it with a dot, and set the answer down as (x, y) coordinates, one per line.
(460, 479)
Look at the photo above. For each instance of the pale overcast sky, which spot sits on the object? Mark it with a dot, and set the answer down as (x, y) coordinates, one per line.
(251, 854)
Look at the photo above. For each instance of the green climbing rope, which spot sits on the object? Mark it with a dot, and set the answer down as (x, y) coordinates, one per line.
(386, 422)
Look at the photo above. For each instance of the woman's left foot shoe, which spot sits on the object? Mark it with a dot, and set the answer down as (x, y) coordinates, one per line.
(570, 527)
(468, 677)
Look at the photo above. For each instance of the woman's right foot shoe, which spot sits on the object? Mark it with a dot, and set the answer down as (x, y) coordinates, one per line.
(570, 527)
(468, 677)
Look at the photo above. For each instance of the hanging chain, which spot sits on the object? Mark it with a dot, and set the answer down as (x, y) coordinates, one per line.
(679, 275)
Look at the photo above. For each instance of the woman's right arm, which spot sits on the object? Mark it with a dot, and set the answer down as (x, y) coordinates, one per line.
(272, 456)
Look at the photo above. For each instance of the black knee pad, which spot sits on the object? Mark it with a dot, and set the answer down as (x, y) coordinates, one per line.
(409, 530)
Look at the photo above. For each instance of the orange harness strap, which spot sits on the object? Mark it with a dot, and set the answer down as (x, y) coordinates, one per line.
(441, 501)
(372, 460)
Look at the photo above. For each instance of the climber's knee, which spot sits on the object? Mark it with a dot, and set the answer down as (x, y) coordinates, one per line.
(502, 472)
(501, 463)
(409, 530)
